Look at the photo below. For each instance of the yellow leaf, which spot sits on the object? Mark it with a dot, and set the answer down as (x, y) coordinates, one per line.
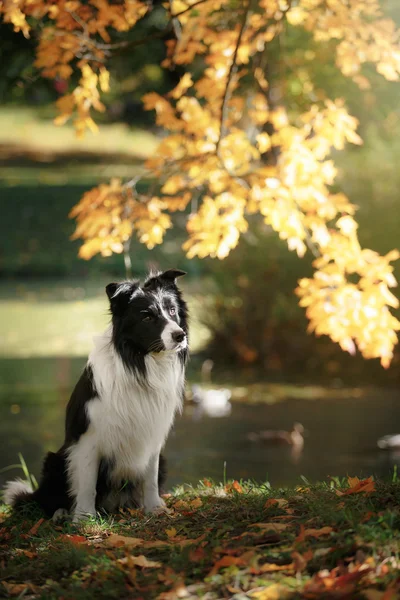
(171, 533)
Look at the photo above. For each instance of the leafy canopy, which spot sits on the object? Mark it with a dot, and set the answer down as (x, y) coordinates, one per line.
(233, 147)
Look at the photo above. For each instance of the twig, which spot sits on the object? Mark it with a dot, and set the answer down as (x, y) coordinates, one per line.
(232, 71)
(175, 23)
(133, 43)
(127, 259)
(185, 10)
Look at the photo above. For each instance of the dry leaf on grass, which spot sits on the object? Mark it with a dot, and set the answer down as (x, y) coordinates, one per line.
(276, 591)
(358, 486)
(275, 527)
(34, 529)
(171, 533)
(227, 561)
(117, 541)
(316, 533)
(73, 539)
(279, 502)
(234, 487)
(138, 561)
(16, 589)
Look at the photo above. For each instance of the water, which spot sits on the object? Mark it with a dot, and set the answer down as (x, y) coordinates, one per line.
(341, 433)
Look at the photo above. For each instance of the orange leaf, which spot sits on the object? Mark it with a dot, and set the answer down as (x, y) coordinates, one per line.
(235, 485)
(228, 561)
(73, 539)
(138, 561)
(358, 486)
(317, 532)
(117, 541)
(34, 529)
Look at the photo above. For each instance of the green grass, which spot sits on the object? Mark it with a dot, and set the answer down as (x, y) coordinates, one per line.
(217, 542)
(30, 129)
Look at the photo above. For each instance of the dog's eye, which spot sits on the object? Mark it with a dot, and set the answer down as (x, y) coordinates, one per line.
(147, 318)
(172, 311)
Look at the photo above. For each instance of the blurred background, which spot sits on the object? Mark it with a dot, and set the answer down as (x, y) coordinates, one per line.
(254, 370)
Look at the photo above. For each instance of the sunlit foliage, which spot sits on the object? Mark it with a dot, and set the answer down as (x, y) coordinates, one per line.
(232, 146)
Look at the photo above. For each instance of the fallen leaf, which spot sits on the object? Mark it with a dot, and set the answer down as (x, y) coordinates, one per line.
(177, 541)
(227, 561)
(317, 532)
(281, 502)
(300, 560)
(197, 554)
(358, 486)
(180, 505)
(276, 591)
(271, 526)
(301, 537)
(117, 541)
(196, 503)
(171, 533)
(74, 539)
(138, 561)
(207, 483)
(34, 529)
(234, 486)
(272, 567)
(15, 589)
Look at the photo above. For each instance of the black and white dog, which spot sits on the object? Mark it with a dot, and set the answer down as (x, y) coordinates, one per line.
(121, 409)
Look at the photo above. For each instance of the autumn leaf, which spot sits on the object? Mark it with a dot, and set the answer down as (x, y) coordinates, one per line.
(138, 561)
(316, 533)
(358, 486)
(117, 541)
(73, 539)
(276, 591)
(275, 527)
(234, 487)
(33, 530)
(171, 533)
(227, 561)
(278, 502)
(16, 589)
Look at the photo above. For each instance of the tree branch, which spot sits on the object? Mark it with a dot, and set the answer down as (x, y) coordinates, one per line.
(185, 10)
(231, 73)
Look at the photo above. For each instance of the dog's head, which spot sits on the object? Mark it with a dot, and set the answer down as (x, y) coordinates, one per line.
(149, 318)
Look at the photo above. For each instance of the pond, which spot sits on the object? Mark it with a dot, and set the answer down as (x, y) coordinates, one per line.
(341, 433)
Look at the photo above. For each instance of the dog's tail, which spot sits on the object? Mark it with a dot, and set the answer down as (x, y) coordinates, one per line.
(17, 493)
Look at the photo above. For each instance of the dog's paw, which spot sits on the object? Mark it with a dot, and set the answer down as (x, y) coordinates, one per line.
(156, 506)
(61, 514)
(80, 516)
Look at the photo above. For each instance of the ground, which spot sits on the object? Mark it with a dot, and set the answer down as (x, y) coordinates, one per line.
(339, 539)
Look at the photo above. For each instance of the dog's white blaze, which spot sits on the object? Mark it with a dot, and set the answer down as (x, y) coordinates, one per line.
(129, 422)
(166, 336)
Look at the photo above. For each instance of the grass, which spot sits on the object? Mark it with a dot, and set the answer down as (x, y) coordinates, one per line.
(238, 540)
(33, 149)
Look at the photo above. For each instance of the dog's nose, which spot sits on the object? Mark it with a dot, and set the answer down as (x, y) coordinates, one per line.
(178, 336)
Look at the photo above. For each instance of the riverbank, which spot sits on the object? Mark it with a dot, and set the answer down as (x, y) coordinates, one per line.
(338, 539)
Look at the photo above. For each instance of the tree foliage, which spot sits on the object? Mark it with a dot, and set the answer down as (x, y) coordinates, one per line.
(233, 146)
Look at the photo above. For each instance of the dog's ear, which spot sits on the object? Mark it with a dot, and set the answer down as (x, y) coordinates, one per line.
(111, 288)
(165, 278)
(171, 275)
(119, 295)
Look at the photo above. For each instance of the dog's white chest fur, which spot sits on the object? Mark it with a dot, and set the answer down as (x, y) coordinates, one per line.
(130, 419)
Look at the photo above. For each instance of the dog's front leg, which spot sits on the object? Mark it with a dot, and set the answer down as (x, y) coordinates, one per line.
(83, 467)
(152, 502)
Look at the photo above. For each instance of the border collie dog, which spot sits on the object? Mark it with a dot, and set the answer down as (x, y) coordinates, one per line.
(121, 409)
